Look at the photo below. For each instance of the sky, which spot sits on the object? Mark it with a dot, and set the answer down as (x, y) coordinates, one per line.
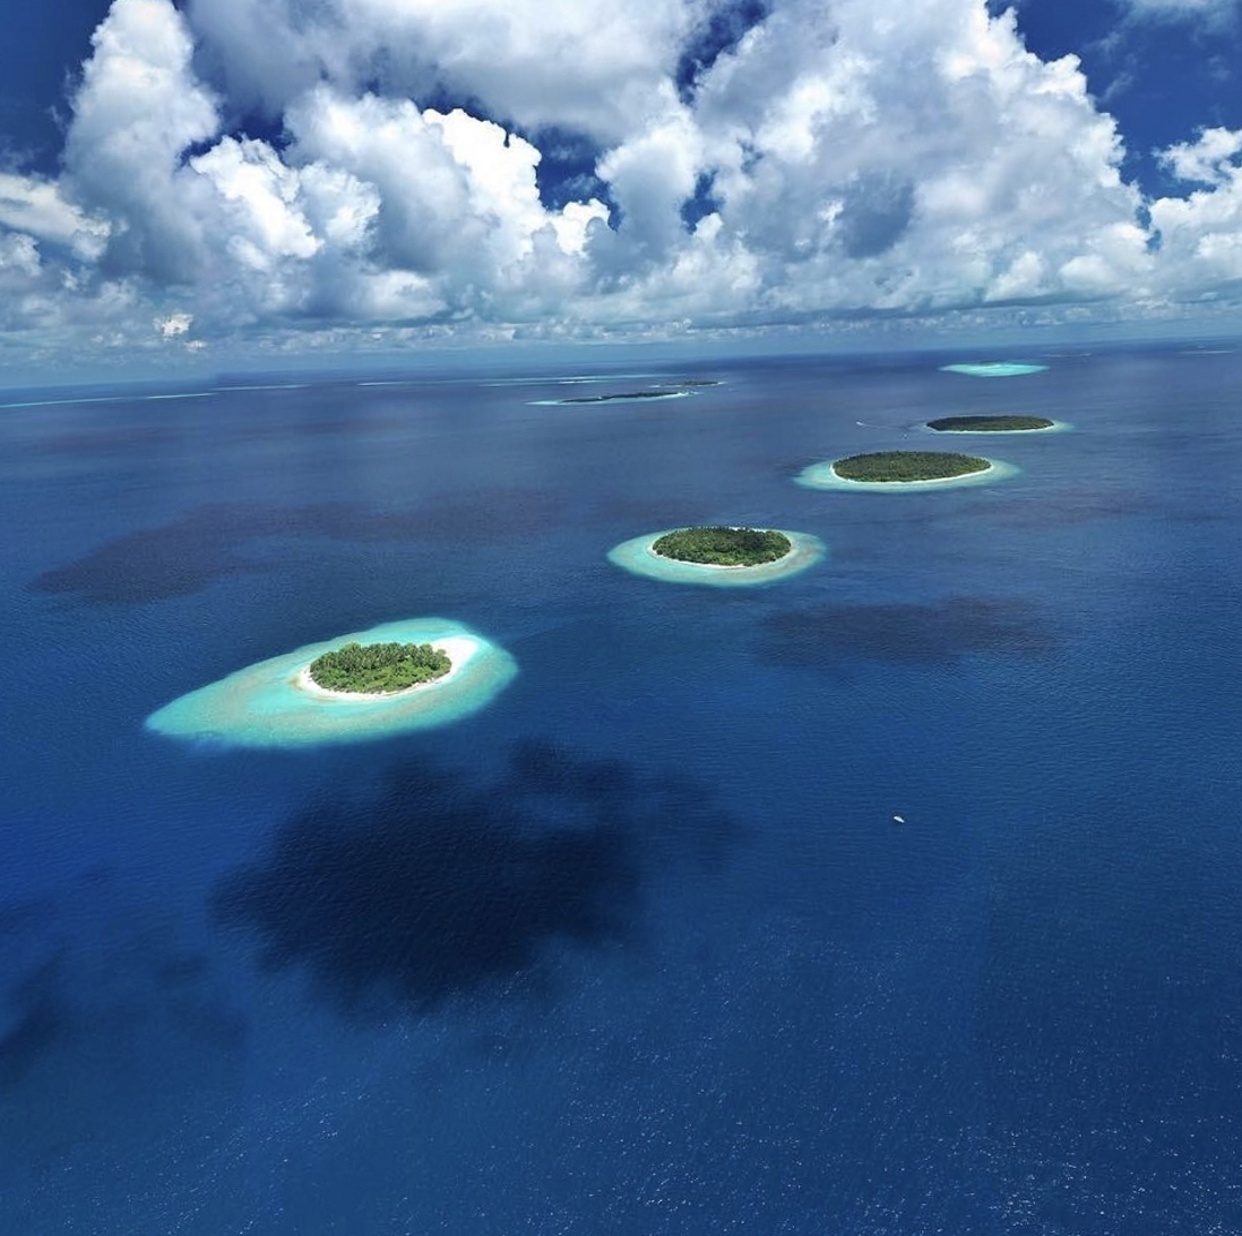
(258, 181)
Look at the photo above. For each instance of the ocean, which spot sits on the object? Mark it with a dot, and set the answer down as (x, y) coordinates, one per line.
(637, 945)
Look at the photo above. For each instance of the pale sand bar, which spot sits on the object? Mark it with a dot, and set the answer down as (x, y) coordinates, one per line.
(824, 476)
(995, 369)
(638, 557)
(273, 704)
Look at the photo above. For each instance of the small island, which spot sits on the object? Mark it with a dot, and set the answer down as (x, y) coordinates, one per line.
(990, 424)
(659, 392)
(277, 703)
(903, 467)
(378, 669)
(719, 556)
(722, 546)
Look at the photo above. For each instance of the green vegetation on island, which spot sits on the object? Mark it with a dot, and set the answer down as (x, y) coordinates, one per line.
(378, 668)
(721, 546)
(989, 424)
(906, 466)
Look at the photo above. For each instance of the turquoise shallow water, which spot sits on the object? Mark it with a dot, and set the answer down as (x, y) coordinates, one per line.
(637, 556)
(995, 369)
(262, 705)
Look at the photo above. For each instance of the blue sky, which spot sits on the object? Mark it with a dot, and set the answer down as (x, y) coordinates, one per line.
(255, 180)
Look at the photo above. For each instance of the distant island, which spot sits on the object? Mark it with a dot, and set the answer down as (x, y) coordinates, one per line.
(990, 424)
(904, 466)
(723, 546)
(661, 392)
(378, 669)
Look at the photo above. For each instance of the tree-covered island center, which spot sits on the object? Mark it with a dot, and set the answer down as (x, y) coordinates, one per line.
(990, 424)
(900, 467)
(723, 546)
(378, 669)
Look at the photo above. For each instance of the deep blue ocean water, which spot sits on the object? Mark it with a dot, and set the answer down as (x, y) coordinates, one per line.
(639, 948)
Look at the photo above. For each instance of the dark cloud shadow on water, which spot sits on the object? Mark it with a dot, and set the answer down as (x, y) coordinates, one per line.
(440, 887)
(184, 556)
(38, 1019)
(83, 971)
(1072, 505)
(929, 634)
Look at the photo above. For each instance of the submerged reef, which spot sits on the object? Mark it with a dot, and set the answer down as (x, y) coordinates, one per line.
(994, 369)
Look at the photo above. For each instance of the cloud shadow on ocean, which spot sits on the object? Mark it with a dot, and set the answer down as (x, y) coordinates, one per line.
(438, 887)
(81, 974)
(184, 556)
(38, 1021)
(936, 634)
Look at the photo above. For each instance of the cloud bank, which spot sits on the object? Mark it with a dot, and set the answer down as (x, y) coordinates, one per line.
(353, 170)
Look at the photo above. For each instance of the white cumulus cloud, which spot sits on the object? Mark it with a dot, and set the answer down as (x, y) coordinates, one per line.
(841, 161)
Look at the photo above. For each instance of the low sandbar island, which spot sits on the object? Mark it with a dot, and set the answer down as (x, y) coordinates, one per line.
(359, 687)
(995, 369)
(680, 389)
(901, 471)
(642, 396)
(719, 555)
(993, 424)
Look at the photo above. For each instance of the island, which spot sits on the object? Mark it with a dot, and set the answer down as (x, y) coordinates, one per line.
(990, 424)
(659, 392)
(719, 555)
(722, 546)
(378, 669)
(379, 688)
(904, 472)
(902, 467)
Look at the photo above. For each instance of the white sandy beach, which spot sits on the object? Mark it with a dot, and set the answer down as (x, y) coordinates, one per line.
(458, 648)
